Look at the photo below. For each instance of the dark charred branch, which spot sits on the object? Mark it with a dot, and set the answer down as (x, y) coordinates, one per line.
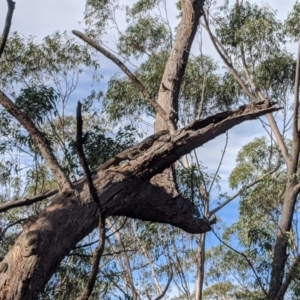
(93, 191)
(11, 7)
(124, 190)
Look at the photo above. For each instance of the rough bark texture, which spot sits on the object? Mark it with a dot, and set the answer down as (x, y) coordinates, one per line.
(124, 189)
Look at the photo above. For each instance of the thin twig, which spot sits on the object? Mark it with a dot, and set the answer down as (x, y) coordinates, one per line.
(215, 210)
(158, 109)
(248, 261)
(220, 163)
(11, 6)
(202, 98)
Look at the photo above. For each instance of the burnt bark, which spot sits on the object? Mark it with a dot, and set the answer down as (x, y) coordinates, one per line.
(123, 188)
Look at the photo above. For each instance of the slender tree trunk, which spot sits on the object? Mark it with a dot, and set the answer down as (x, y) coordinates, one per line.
(177, 61)
(281, 246)
(200, 266)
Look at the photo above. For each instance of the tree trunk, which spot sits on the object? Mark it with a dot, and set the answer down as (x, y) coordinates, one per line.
(281, 246)
(123, 189)
(200, 266)
(177, 61)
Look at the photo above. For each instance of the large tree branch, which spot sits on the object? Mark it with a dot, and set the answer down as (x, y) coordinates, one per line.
(122, 189)
(11, 6)
(157, 108)
(40, 140)
(192, 136)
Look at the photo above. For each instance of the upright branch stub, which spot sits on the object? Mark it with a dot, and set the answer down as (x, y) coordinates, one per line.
(80, 140)
(11, 6)
(177, 61)
(40, 140)
(93, 191)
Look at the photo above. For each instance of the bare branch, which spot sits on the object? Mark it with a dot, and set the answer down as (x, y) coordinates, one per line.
(26, 201)
(3, 231)
(227, 62)
(252, 97)
(11, 6)
(215, 210)
(93, 191)
(40, 140)
(79, 146)
(219, 165)
(158, 109)
(247, 260)
(96, 259)
(166, 288)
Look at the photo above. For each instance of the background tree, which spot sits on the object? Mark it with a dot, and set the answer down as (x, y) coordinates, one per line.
(133, 180)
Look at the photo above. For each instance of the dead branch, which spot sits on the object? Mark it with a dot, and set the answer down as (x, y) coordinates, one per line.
(40, 140)
(158, 109)
(93, 191)
(11, 7)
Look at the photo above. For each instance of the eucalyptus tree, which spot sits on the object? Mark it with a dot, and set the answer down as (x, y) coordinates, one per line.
(137, 182)
(251, 42)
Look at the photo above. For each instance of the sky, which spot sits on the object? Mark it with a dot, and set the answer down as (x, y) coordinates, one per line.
(41, 18)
